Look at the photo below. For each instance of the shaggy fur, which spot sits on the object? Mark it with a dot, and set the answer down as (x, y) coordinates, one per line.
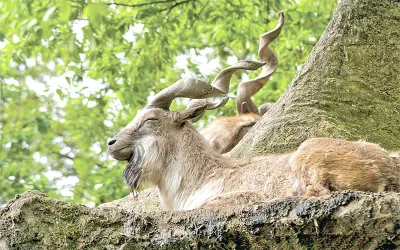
(321, 165)
(225, 133)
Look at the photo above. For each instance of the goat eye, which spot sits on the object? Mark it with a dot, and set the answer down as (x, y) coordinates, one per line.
(148, 119)
(151, 119)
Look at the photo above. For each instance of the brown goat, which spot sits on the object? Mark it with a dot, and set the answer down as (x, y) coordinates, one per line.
(164, 149)
(225, 133)
(169, 153)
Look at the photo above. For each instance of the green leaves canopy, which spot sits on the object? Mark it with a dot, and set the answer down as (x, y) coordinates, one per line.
(73, 72)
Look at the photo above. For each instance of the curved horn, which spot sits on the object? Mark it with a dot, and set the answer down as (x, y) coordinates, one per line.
(246, 89)
(198, 89)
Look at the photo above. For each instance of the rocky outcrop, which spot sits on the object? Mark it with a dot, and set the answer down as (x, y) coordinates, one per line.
(346, 220)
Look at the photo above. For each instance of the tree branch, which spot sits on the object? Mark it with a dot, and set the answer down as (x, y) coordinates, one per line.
(176, 5)
(198, 14)
(140, 4)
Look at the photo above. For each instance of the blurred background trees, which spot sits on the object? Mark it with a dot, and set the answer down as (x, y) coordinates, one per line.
(73, 72)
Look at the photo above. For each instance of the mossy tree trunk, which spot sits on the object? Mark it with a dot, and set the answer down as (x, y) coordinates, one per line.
(348, 88)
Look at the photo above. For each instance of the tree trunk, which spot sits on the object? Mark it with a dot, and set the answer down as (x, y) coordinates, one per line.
(348, 88)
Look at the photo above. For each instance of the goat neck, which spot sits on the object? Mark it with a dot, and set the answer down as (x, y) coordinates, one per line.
(189, 178)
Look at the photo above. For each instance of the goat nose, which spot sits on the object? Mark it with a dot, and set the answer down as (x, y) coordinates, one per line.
(111, 142)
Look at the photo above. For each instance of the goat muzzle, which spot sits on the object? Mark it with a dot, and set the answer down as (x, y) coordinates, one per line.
(120, 153)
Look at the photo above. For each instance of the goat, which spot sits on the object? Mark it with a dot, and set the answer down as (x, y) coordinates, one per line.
(164, 149)
(225, 133)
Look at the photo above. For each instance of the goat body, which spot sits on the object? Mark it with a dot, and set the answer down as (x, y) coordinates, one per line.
(225, 133)
(165, 150)
(174, 157)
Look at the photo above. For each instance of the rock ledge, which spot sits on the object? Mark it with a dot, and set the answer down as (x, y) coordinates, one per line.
(345, 220)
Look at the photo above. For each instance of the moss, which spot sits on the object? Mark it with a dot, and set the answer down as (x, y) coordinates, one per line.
(34, 221)
(46, 222)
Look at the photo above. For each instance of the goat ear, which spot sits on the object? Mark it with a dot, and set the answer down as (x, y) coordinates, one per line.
(191, 113)
(244, 109)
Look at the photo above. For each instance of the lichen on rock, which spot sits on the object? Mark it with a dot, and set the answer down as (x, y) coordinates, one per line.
(344, 220)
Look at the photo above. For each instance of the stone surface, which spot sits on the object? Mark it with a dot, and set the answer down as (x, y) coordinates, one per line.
(145, 201)
(346, 220)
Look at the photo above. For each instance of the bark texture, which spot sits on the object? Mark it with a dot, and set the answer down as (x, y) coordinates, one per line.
(349, 87)
(347, 220)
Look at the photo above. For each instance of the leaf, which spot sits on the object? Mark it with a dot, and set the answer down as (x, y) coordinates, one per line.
(43, 125)
(68, 79)
(65, 12)
(59, 92)
(48, 13)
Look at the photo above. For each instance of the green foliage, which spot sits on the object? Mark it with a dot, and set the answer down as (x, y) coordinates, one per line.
(73, 72)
